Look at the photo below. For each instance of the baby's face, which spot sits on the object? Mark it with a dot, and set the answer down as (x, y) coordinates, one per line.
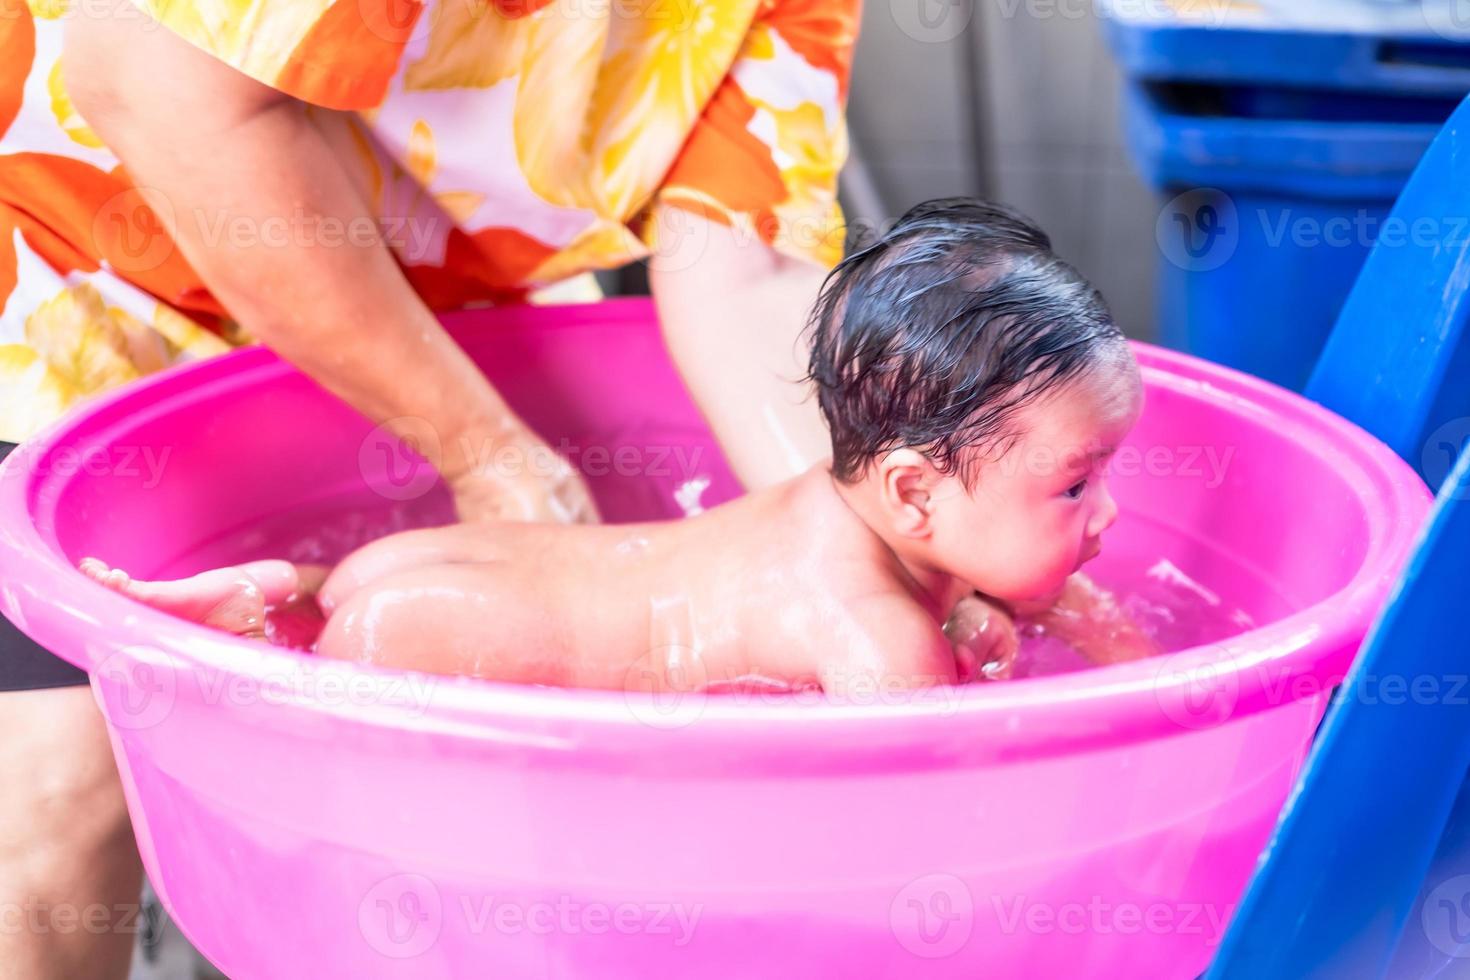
(1036, 515)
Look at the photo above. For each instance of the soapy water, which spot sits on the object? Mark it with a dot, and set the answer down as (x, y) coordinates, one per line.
(1168, 605)
(689, 495)
(295, 626)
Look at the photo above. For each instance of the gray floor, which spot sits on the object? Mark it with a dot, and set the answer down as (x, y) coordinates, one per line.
(163, 953)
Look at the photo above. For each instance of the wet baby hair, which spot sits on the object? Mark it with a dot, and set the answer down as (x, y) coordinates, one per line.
(934, 334)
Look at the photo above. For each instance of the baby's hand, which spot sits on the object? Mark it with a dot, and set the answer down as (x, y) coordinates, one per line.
(984, 639)
(1088, 618)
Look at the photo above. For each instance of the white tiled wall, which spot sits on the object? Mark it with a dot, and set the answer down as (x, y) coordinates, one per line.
(1048, 123)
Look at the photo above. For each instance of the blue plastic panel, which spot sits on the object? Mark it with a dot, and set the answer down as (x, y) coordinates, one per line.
(1369, 45)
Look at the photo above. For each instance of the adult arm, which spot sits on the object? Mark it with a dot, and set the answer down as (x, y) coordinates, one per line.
(733, 311)
(221, 149)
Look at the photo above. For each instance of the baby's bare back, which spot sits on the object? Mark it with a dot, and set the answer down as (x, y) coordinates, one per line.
(773, 586)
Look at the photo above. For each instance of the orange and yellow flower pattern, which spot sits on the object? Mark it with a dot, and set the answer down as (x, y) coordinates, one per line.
(533, 138)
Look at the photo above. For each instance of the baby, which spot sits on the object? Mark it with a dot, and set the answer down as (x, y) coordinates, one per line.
(974, 386)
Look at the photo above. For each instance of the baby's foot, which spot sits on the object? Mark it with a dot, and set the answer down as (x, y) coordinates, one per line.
(232, 599)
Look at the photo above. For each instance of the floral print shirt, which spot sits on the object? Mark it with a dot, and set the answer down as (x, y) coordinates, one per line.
(505, 145)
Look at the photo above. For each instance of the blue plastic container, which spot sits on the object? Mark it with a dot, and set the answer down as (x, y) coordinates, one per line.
(1279, 140)
(1368, 872)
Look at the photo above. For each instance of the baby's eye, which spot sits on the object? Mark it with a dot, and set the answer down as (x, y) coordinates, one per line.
(1074, 492)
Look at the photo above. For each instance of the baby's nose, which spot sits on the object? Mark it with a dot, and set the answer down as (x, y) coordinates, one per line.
(1106, 513)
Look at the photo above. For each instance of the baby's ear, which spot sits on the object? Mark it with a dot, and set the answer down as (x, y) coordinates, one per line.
(907, 481)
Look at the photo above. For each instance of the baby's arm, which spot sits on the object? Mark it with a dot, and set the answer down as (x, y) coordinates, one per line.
(1088, 618)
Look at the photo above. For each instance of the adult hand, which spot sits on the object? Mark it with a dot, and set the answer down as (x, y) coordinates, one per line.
(343, 312)
(526, 481)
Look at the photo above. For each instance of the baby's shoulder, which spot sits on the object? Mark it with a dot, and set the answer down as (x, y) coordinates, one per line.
(889, 609)
(889, 638)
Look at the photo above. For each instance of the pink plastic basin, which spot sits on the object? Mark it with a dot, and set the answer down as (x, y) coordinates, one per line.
(312, 819)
